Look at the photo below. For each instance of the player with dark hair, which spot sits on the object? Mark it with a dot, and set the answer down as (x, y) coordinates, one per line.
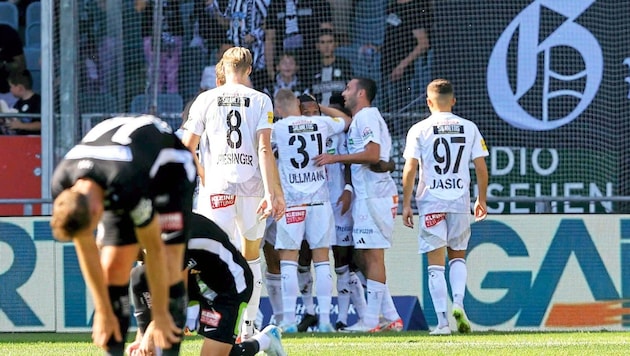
(375, 203)
(131, 180)
(220, 279)
(441, 148)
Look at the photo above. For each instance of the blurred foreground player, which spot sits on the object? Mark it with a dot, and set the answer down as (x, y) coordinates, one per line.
(131, 180)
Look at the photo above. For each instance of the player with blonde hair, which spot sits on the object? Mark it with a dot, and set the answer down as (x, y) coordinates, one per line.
(239, 184)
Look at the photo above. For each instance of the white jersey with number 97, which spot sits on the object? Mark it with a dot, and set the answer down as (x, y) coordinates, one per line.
(444, 144)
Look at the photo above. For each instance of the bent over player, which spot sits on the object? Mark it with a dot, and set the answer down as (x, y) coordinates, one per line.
(133, 178)
(220, 279)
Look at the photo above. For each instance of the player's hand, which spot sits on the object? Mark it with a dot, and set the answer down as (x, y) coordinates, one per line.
(407, 216)
(481, 210)
(383, 166)
(345, 200)
(104, 327)
(273, 206)
(165, 331)
(324, 159)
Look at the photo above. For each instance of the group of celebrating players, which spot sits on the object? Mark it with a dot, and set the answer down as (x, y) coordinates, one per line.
(303, 176)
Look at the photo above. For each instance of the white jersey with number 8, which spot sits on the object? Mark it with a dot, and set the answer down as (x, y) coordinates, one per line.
(227, 119)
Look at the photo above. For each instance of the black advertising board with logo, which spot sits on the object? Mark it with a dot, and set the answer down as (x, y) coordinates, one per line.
(548, 83)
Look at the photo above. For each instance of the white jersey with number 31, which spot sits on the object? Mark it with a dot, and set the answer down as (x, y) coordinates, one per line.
(299, 139)
(444, 144)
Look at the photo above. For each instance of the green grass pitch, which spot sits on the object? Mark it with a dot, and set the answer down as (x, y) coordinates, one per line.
(404, 343)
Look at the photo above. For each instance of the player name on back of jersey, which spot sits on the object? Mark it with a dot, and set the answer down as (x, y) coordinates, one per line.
(235, 158)
(233, 100)
(300, 127)
(448, 129)
(307, 177)
(447, 183)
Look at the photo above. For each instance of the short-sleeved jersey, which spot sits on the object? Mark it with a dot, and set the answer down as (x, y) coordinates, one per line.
(444, 144)
(213, 260)
(299, 139)
(227, 120)
(130, 157)
(368, 126)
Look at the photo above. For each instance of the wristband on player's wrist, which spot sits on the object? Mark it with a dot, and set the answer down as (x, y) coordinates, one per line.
(349, 188)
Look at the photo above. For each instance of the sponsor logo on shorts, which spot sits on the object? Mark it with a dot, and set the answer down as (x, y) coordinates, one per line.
(361, 241)
(295, 216)
(210, 318)
(431, 220)
(172, 221)
(218, 201)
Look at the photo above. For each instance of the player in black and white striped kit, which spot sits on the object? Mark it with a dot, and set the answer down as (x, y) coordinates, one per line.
(220, 279)
(131, 180)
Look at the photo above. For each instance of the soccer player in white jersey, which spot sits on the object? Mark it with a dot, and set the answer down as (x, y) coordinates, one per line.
(375, 204)
(349, 285)
(441, 147)
(240, 187)
(309, 214)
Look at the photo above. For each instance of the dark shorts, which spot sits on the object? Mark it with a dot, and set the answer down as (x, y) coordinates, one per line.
(172, 202)
(220, 320)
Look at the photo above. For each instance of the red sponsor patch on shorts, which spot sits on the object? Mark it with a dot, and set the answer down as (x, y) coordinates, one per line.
(295, 216)
(171, 221)
(431, 220)
(210, 317)
(218, 201)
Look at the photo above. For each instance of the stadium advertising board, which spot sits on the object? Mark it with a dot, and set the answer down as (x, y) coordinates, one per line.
(549, 75)
(525, 272)
(547, 272)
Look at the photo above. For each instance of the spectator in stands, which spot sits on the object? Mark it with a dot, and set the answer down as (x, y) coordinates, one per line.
(293, 26)
(246, 21)
(28, 102)
(286, 77)
(11, 59)
(407, 29)
(96, 47)
(171, 41)
(342, 19)
(329, 77)
(208, 17)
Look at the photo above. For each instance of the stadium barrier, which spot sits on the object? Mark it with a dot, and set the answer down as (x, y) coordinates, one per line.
(525, 272)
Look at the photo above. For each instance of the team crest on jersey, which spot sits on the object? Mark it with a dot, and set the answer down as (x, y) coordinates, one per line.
(431, 220)
(367, 132)
(210, 317)
(172, 221)
(218, 201)
(295, 216)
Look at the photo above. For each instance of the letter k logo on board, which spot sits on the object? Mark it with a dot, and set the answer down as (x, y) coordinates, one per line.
(557, 79)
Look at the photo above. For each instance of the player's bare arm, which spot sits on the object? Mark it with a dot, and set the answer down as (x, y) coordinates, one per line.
(370, 155)
(166, 332)
(346, 196)
(273, 203)
(481, 171)
(383, 166)
(105, 324)
(408, 181)
(191, 141)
